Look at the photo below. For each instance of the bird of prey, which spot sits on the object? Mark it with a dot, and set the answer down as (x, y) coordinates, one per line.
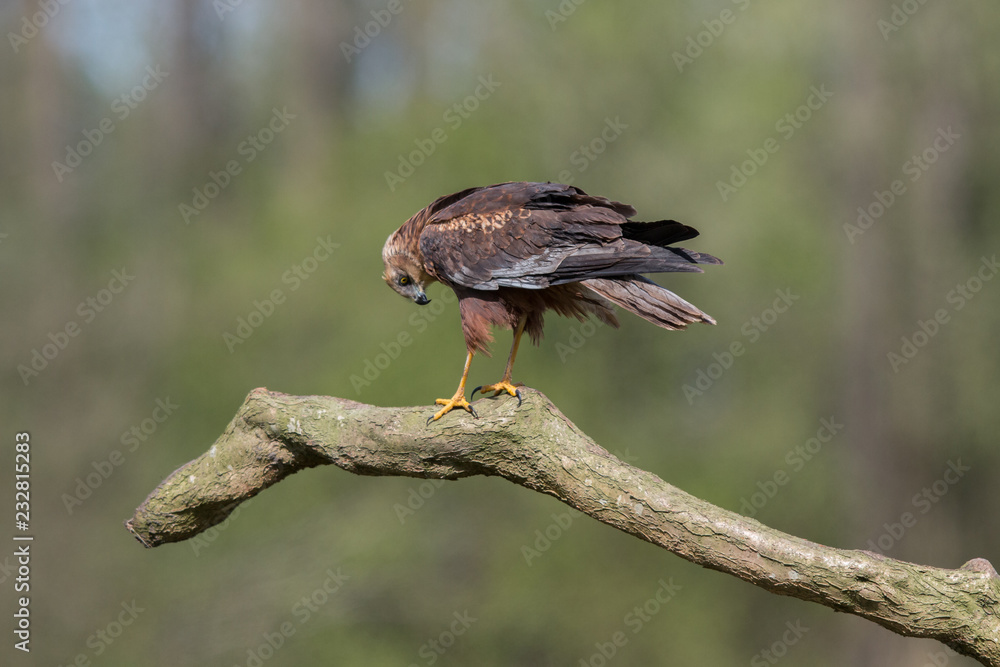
(514, 250)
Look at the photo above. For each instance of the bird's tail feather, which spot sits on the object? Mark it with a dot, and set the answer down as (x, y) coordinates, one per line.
(653, 303)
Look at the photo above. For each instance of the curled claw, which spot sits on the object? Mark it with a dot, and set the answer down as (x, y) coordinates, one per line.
(456, 401)
(501, 387)
(472, 395)
(471, 410)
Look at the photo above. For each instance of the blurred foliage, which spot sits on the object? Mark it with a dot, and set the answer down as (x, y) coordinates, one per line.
(693, 91)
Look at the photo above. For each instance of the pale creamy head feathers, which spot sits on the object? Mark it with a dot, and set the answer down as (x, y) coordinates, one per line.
(404, 270)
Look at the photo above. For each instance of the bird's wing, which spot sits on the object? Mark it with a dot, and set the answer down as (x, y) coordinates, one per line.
(534, 235)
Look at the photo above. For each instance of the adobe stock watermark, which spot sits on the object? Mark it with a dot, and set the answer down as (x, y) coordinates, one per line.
(453, 117)
(578, 337)
(131, 440)
(956, 300)
(912, 170)
(562, 12)
(939, 658)
(417, 498)
(752, 330)
(223, 7)
(899, 16)
(697, 44)
(7, 569)
(375, 365)
(248, 149)
(546, 537)
(796, 459)
(102, 638)
(121, 108)
(587, 153)
(302, 611)
(632, 624)
(432, 650)
(922, 502)
(363, 35)
(264, 308)
(786, 127)
(205, 539)
(34, 23)
(87, 310)
(435, 647)
(771, 655)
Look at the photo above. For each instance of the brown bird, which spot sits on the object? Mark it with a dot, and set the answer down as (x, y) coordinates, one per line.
(514, 250)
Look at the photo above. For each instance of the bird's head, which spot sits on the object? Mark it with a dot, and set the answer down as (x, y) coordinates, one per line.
(405, 274)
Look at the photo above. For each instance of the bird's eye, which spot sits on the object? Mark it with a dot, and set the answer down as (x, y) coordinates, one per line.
(405, 280)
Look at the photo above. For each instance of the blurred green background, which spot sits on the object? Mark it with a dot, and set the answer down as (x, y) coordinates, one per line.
(167, 167)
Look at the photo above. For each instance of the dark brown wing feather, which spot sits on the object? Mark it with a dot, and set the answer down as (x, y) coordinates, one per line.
(536, 196)
(650, 301)
(535, 235)
(661, 232)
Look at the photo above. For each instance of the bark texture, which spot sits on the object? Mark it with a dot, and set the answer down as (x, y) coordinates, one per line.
(274, 435)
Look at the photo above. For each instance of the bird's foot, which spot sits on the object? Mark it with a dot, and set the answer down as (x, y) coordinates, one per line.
(501, 387)
(456, 401)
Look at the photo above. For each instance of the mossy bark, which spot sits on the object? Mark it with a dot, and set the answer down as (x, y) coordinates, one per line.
(274, 435)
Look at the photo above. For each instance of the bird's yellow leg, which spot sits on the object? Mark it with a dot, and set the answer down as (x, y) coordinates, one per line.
(504, 385)
(456, 401)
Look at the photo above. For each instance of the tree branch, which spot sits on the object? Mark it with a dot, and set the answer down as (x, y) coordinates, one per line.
(274, 435)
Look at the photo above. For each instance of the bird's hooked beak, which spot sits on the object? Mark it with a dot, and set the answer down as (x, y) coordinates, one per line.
(421, 298)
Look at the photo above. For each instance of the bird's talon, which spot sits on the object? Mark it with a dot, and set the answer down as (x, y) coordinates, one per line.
(473, 394)
(456, 401)
(502, 387)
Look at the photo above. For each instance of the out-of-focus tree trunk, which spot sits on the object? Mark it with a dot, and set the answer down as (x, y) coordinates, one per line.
(865, 162)
(868, 162)
(931, 232)
(897, 271)
(44, 115)
(321, 85)
(197, 107)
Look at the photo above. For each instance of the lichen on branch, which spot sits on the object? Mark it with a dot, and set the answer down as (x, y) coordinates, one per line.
(535, 446)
